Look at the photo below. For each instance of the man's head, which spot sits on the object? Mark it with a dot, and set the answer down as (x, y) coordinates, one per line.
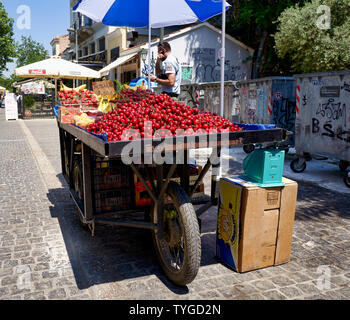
(164, 49)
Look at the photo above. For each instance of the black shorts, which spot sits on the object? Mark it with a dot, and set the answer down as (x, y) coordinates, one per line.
(171, 94)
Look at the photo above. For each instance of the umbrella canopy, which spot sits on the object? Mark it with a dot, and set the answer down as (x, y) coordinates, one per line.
(153, 13)
(156, 14)
(55, 67)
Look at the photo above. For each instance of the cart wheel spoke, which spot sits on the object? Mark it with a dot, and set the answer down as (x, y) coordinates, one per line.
(179, 250)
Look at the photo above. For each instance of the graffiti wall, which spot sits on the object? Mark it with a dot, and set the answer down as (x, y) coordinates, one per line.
(269, 101)
(323, 115)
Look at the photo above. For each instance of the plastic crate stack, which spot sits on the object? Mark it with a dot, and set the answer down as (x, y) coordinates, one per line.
(111, 185)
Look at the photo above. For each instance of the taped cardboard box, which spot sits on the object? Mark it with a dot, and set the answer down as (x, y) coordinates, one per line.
(255, 225)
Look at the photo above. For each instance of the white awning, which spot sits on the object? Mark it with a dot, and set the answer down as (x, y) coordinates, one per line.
(56, 67)
(105, 71)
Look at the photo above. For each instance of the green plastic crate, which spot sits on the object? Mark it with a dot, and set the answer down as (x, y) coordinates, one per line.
(264, 167)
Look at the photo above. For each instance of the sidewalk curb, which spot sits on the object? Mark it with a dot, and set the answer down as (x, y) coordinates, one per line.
(50, 181)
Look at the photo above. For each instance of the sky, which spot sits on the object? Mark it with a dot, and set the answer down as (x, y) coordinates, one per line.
(48, 19)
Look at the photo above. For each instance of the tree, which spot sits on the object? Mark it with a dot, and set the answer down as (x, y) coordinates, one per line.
(6, 83)
(7, 46)
(301, 36)
(252, 22)
(30, 51)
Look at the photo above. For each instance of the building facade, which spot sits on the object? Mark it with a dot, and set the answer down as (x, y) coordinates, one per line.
(94, 44)
(59, 45)
(197, 49)
(97, 45)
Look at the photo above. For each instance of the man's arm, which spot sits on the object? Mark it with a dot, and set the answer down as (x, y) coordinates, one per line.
(170, 82)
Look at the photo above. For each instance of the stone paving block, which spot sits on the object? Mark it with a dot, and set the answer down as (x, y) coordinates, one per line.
(274, 295)
(64, 281)
(256, 296)
(8, 243)
(42, 266)
(263, 285)
(282, 281)
(209, 295)
(44, 285)
(15, 290)
(22, 248)
(246, 289)
(5, 257)
(6, 272)
(9, 280)
(35, 296)
(57, 294)
(15, 298)
(298, 276)
(3, 291)
(10, 263)
(28, 260)
(309, 288)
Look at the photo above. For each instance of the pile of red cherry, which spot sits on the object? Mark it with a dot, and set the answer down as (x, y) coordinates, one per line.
(150, 115)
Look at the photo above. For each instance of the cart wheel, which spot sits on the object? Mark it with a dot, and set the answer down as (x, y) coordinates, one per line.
(248, 148)
(347, 180)
(66, 160)
(78, 180)
(294, 165)
(343, 165)
(179, 250)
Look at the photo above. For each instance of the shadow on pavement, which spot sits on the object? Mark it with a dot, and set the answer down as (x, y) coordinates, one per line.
(115, 253)
(317, 203)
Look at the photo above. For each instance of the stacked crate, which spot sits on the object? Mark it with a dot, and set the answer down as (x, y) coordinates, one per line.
(142, 197)
(112, 181)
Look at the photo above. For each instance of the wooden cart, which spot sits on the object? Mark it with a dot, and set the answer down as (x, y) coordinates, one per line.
(171, 215)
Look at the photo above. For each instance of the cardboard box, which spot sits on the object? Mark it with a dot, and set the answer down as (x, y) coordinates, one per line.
(255, 225)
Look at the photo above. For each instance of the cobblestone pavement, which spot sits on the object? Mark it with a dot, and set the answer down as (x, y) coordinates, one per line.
(40, 229)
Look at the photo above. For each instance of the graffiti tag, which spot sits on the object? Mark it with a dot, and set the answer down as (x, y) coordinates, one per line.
(331, 109)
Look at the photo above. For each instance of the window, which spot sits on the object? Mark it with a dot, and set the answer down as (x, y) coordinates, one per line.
(114, 54)
(86, 51)
(80, 53)
(93, 48)
(54, 50)
(87, 21)
(102, 44)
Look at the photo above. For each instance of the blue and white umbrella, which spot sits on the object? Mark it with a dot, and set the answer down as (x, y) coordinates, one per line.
(155, 14)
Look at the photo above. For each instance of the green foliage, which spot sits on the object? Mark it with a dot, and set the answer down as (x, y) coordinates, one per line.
(30, 51)
(29, 101)
(310, 48)
(7, 46)
(6, 83)
(252, 22)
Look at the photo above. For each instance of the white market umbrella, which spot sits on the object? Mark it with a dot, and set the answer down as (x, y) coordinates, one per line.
(155, 14)
(56, 68)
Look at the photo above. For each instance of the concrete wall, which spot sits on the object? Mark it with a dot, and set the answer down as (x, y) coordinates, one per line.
(323, 109)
